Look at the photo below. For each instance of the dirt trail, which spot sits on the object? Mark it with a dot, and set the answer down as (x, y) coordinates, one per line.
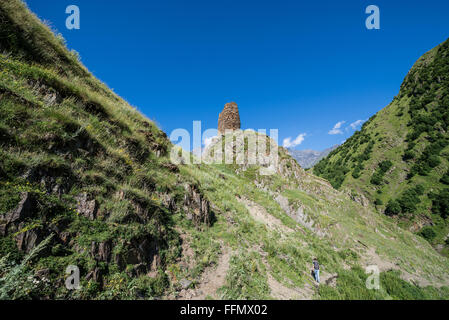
(282, 292)
(213, 277)
(278, 289)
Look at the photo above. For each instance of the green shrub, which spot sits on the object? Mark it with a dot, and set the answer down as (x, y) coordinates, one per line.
(445, 178)
(385, 165)
(408, 155)
(16, 280)
(440, 203)
(419, 189)
(378, 202)
(410, 199)
(434, 161)
(376, 178)
(393, 208)
(356, 173)
(428, 233)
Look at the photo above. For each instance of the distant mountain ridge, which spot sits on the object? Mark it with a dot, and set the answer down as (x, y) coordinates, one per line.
(308, 158)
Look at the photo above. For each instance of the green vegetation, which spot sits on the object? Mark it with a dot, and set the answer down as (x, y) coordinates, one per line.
(428, 233)
(377, 177)
(403, 150)
(336, 171)
(378, 202)
(441, 203)
(98, 190)
(12, 273)
(393, 208)
(245, 279)
(351, 286)
(409, 199)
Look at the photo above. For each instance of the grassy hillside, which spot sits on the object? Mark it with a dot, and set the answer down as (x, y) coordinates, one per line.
(86, 180)
(90, 169)
(399, 160)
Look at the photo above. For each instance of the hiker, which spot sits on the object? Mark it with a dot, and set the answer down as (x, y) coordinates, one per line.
(316, 269)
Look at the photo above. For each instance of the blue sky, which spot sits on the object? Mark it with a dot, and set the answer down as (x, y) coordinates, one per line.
(297, 66)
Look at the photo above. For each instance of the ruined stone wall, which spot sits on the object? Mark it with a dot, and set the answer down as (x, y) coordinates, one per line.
(229, 118)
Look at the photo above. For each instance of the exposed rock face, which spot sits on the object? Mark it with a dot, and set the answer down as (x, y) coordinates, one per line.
(27, 240)
(298, 215)
(48, 176)
(95, 275)
(359, 198)
(86, 207)
(197, 206)
(229, 118)
(50, 95)
(101, 251)
(23, 210)
(245, 148)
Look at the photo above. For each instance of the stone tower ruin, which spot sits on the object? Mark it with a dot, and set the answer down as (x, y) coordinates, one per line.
(229, 118)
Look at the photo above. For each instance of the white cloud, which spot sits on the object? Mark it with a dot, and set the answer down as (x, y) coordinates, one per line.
(288, 143)
(356, 124)
(337, 128)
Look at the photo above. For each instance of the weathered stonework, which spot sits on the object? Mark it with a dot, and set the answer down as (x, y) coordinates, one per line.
(229, 118)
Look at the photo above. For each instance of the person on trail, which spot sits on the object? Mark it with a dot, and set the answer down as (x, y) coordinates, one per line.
(316, 269)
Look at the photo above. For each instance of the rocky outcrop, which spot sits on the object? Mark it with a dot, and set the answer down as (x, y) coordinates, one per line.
(168, 201)
(23, 210)
(359, 198)
(95, 275)
(229, 118)
(29, 237)
(101, 251)
(27, 240)
(142, 253)
(50, 96)
(86, 207)
(298, 215)
(196, 206)
(245, 148)
(14, 217)
(53, 178)
(420, 222)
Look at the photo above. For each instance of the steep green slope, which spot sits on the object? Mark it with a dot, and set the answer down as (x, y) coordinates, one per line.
(77, 162)
(86, 180)
(274, 224)
(399, 160)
